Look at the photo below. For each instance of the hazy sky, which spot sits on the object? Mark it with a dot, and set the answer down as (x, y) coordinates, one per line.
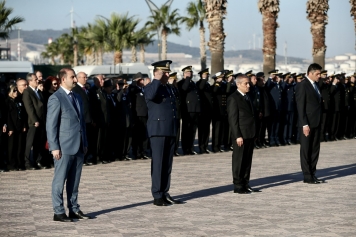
(242, 21)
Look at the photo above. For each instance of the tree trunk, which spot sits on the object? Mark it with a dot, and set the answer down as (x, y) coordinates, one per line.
(62, 59)
(118, 57)
(52, 60)
(353, 14)
(142, 53)
(215, 11)
(133, 54)
(317, 15)
(75, 55)
(164, 45)
(202, 46)
(269, 27)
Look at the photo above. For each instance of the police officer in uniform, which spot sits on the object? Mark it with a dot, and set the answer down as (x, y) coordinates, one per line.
(190, 110)
(205, 94)
(172, 82)
(288, 108)
(162, 131)
(274, 89)
(324, 88)
(219, 111)
(230, 89)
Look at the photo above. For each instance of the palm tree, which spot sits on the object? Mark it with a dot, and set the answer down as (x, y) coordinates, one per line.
(215, 14)
(140, 38)
(119, 33)
(51, 51)
(269, 10)
(196, 16)
(167, 22)
(317, 15)
(74, 36)
(353, 14)
(7, 24)
(87, 45)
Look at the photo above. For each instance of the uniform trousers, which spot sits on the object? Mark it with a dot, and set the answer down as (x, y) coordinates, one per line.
(204, 131)
(139, 136)
(161, 165)
(274, 128)
(67, 170)
(288, 126)
(309, 151)
(189, 128)
(217, 133)
(242, 162)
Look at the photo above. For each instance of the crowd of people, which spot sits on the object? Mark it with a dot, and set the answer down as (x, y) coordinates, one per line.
(116, 114)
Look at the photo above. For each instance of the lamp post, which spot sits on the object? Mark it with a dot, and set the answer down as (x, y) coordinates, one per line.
(18, 45)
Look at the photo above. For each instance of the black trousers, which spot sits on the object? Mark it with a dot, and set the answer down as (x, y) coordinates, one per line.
(288, 126)
(325, 127)
(16, 150)
(309, 151)
(139, 137)
(189, 128)
(263, 129)
(274, 127)
(335, 124)
(161, 165)
(101, 145)
(36, 140)
(204, 131)
(2, 150)
(242, 162)
(176, 145)
(92, 137)
(217, 133)
(122, 141)
(226, 134)
(342, 122)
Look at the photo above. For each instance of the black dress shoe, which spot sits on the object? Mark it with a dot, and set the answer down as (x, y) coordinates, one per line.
(169, 199)
(311, 181)
(289, 143)
(31, 168)
(160, 202)
(318, 180)
(192, 152)
(231, 148)
(221, 150)
(104, 162)
(242, 190)
(145, 157)
(257, 146)
(42, 167)
(78, 215)
(207, 151)
(62, 217)
(176, 154)
(254, 190)
(265, 145)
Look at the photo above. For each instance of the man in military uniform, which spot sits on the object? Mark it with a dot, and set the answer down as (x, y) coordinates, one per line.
(191, 109)
(124, 120)
(337, 94)
(261, 137)
(172, 83)
(230, 89)
(139, 116)
(219, 111)
(257, 102)
(205, 95)
(274, 89)
(324, 88)
(288, 108)
(352, 108)
(162, 131)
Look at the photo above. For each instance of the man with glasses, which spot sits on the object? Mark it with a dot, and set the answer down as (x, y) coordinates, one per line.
(162, 131)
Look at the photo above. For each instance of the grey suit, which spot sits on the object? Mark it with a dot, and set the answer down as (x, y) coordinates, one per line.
(66, 132)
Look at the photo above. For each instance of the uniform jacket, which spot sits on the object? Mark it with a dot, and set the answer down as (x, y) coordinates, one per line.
(288, 97)
(219, 98)
(178, 99)
(205, 95)
(325, 93)
(257, 99)
(124, 111)
(241, 117)
(189, 95)
(275, 94)
(65, 129)
(162, 120)
(138, 102)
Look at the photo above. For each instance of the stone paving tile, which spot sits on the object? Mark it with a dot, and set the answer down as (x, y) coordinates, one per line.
(118, 195)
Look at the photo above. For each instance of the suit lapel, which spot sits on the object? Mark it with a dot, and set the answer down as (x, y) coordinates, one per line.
(244, 103)
(311, 88)
(66, 98)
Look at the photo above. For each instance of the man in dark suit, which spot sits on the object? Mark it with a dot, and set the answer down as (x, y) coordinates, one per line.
(257, 102)
(309, 101)
(139, 117)
(243, 130)
(67, 141)
(162, 131)
(191, 109)
(261, 134)
(36, 137)
(324, 87)
(3, 128)
(84, 95)
(206, 97)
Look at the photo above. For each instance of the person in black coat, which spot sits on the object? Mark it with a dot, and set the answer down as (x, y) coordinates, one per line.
(36, 135)
(261, 134)
(219, 111)
(172, 82)
(337, 94)
(139, 116)
(162, 131)
(288, 108)
(205, 95)
(324, 87)
(3, 128)
(350, 130)
(16, 127)
(191, 108)
(241, 118)
(124, 120)
(309, 101)
(230, 89)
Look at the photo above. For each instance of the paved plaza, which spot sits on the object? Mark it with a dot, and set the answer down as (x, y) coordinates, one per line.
(118, 196)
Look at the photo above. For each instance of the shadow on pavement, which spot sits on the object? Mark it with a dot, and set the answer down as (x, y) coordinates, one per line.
(261, 183)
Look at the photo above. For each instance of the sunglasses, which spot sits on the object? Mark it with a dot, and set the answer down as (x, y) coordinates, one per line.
(15, 91)
(54, 84)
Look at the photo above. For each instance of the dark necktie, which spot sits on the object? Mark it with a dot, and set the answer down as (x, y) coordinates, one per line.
(316, 89)
(72, 98)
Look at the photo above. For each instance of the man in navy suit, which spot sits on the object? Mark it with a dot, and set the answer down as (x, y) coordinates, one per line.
(66, 134)
(162, 126)
(309, 101)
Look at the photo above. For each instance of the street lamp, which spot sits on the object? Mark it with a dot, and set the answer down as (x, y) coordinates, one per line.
(18, 45)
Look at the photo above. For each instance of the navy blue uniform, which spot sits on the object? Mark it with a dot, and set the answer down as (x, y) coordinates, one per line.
(288, 108)
(275, 95)
(162, 131)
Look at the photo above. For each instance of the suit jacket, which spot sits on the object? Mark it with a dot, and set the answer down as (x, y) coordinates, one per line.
(16, 115)
(190, 97)
(205, 95)
(35, 107)
(85, 99)
(138, 102)
(65, 128)
(241, 117)
(162, 118)
(219, 99)
(308, 104)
